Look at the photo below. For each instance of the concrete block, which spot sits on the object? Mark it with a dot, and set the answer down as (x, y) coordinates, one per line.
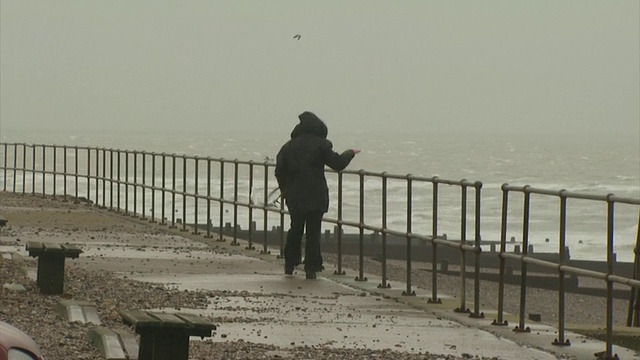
(77, 310)
(91, 315)
(108, 343)
(14, 287)
(129, 343)
(29, 272)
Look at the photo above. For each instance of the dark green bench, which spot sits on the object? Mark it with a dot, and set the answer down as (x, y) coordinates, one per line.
(51, 256)
(165, 336)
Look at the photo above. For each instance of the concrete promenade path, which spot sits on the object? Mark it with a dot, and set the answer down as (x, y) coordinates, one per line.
(336, 310)
(266, 306)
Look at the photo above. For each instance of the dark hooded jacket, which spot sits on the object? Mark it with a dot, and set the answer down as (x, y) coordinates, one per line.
(300, 165)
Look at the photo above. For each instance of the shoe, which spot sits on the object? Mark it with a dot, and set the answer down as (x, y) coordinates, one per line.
(318, 268)
(311, 275)
(288, 270)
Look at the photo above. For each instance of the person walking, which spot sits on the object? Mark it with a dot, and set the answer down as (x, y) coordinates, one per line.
(300, 174)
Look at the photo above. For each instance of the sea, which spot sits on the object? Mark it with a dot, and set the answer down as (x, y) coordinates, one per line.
(594, 165)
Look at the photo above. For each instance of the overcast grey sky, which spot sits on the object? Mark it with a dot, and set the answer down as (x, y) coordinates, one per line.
(393, 66)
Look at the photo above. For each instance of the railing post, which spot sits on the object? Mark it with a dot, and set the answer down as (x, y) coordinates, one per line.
(153, 187)
(77, 171)
(4, 165)
(184, 193)
(234, 242)
(408, 291)
(64, 176)
(55, 169)
(361, 276)
(64, 169)
(44, 170)
(97, 176)
(633, 312)
(250, 245)
(89, 175)
(503, 247)
(610, 267)
(281, 232)
(476, 293)
(434, 254)
(126, 182)
(173, 191)
(264, 221)
(463, 255)
(195, 198)
(111, 165)
(220, 230)
(33, 170)
(523, 265)
(208, 198)
(561, 275)
(164, 175)
(135, 182)
(104, 178)
(24, 169)
(118, 183)
(384, 284)
(339, 271)
(15, 165)
(143, 194)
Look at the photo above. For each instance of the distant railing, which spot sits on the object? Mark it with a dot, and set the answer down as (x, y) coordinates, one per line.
(150, 185)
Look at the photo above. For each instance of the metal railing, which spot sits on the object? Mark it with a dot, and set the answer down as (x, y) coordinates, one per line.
(150, 185)
(563, 196)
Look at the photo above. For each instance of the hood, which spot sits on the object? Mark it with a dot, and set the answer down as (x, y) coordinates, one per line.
(310, 124)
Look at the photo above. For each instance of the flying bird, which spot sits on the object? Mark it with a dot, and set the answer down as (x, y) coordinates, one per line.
(297, 36)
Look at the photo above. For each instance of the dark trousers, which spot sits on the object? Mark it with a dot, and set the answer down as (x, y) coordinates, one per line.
(312, 221)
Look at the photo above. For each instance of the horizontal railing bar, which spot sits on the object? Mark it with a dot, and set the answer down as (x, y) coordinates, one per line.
(570, 269)
(571, 195)
(432, 180)
(458, 245)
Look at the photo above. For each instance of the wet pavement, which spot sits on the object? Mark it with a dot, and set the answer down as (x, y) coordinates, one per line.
(263, 305)
(290, 310)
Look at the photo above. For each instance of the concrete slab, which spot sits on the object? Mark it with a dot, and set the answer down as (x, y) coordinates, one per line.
(14, 287)
(272, 308)
(77, 310)
(540, 337)
(107, 342)
(129, 343)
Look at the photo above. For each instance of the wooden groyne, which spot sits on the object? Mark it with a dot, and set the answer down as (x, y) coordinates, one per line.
(422, 250)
